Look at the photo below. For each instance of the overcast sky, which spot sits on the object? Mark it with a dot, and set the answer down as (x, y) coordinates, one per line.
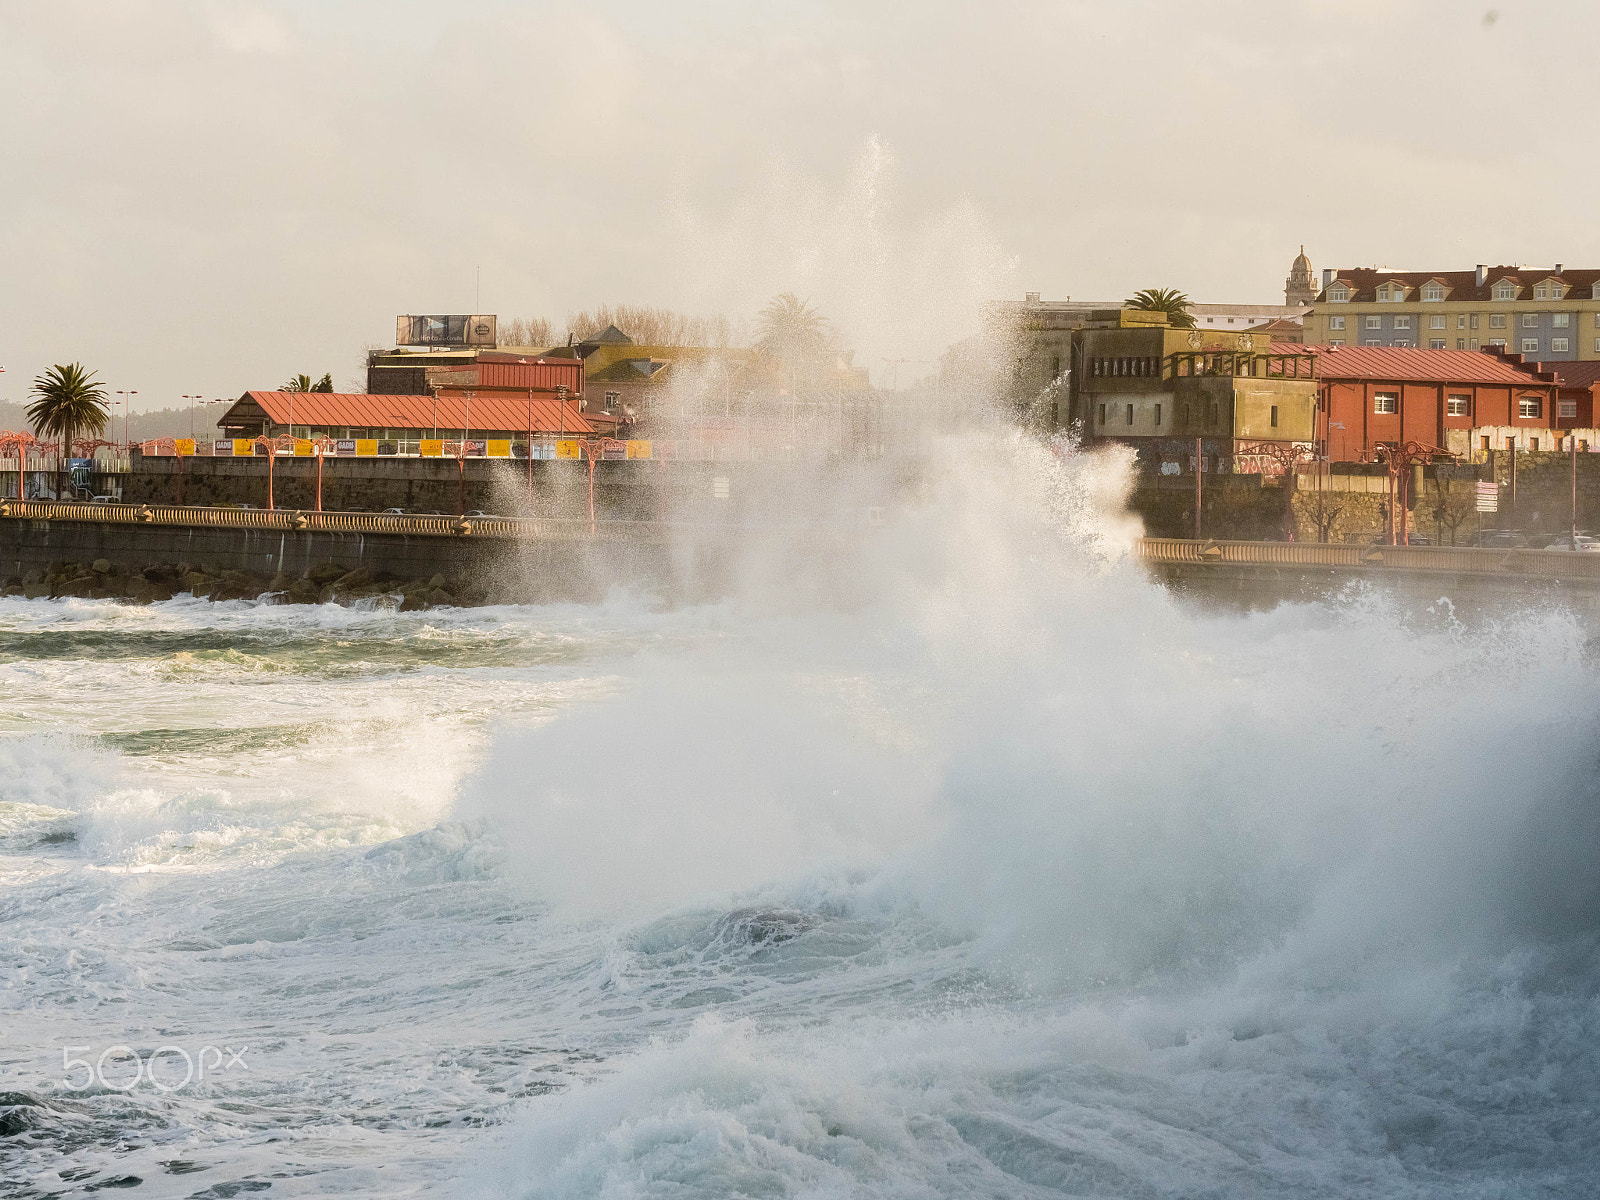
(210, 195)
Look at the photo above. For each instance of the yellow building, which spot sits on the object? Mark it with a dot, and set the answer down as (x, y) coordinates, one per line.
(1135, 378)
(1548, 315)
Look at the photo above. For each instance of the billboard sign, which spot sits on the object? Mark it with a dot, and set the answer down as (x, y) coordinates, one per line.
(474, 447)
(345, 447)
(639, 448)
(449, 330)
(569, 448)
(184, 446)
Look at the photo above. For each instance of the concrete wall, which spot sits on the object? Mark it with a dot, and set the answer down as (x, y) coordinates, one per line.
(576, 570)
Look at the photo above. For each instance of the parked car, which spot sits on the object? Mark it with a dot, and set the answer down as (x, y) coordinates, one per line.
(394, 512)
(102, 500)
(1500, 539)
(478, 512)
(1582, 542)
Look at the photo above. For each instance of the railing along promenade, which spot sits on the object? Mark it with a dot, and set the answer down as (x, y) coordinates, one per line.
(1455, 560)
(304, 520)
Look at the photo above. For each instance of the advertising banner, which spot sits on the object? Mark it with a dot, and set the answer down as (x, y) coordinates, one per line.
(638, 448)
(569, 448)
(302, 448)
(345, 447)
(243, 448)
(473, 447)
(222, 448)
(366, 447)
(611, 448)
(499, 449)
(184, 446)
(431, 448)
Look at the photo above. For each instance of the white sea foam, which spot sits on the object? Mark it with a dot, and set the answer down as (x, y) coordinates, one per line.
(984, 867)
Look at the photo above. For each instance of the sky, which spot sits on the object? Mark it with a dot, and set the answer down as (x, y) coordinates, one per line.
(208, 196)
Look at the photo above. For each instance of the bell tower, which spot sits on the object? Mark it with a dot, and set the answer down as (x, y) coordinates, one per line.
(1301, 286)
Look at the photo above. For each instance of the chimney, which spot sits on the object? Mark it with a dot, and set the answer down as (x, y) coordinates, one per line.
(1483, 274)
(1030, 297)
(1557, 271)
(1327, 277)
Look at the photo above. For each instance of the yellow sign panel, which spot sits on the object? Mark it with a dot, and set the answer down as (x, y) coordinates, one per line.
(430, 449)
(638, 448)
(183, 446)
(302, 448)
(366, 447)
(499, 449)
(568, 448)
(242, 448)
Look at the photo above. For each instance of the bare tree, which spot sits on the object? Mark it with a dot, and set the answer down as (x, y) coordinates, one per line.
(526, 331)
(650, 326)
(1452, 506)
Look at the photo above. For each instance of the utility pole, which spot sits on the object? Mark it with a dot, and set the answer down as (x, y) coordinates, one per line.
(1572, 442)
(1199, 470)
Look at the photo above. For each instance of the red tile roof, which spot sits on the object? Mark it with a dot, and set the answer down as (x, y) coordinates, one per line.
(1574, 374)
(1394, 364)
(1460, 285)
(487, 411)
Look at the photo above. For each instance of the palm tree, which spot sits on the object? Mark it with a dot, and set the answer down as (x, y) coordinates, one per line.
(792, 331)
(1163, 300)
(68, 402)
(297, 383)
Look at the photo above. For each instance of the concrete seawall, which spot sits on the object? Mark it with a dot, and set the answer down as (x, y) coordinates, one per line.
(524, 569)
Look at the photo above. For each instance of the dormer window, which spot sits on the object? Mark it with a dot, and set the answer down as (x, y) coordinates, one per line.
(1339, 295)
(1433, 291)
(1505, 290)
(1391, 292)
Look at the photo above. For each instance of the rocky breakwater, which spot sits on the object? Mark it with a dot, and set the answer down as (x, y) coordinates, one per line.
(326, 583)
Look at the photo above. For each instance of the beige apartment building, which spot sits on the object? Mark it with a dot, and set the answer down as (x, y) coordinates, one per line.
(1549, 315)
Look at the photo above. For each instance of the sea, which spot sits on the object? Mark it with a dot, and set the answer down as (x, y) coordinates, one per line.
(968, 862)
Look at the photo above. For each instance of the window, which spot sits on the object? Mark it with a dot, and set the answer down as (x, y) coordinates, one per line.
(1497, 341)
(1533, 444)
(1530, 345)
(1530, 320)
(1402, 343)
(1158, 416)
(1497, 320)
(1435, 343)
(1338, 322)
(1567, 408)
(1485, 442)
(1374, 322)
(1461, 320)
(1338, 295)
(1433, 292)
(1340, 341)
(1473, 344)
(1530, 406)
(1274, 416)
(1594, 292)
(1541, 292)
(613, 399)
(1230, 320)
(1213, 412)
(1055, 371)
(1130, 414)
(1560, 320)
(1505, 291)
(1435, 322)
(1559, 345)
(1386, 402)
(1597, 345)
(1102, 414)
(1456, 406)
(1402, 322)
(1461, 343)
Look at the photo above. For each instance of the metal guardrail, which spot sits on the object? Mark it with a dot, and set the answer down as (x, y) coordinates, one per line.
(1543, 564)
(299, 520)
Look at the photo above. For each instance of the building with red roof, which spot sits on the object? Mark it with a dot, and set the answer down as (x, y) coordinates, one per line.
(1463, 401)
